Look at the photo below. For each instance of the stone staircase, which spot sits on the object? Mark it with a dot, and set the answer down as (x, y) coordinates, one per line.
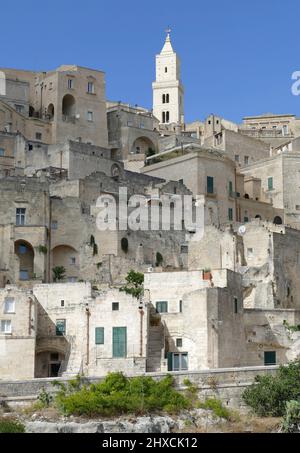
(155, 348)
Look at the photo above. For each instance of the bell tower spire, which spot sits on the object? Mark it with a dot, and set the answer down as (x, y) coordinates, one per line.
(168, 92)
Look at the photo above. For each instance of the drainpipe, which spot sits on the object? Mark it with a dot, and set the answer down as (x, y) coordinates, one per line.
(88, 314)
(49, 239)
(141, 327)
(29, 316)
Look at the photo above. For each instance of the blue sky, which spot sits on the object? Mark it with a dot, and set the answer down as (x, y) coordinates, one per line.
(237, 55)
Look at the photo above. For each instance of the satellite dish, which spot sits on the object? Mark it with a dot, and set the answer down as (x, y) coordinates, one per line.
(242, 230)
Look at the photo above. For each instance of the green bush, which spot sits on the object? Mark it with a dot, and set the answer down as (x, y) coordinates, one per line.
(11, 425)
(216, 406)
(291, 421)
(118, 395)
(269, 395)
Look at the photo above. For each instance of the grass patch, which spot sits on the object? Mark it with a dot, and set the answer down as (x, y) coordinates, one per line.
(11, 425)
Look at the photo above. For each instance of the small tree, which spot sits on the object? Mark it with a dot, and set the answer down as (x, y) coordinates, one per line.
(58, 273)
(134, 285)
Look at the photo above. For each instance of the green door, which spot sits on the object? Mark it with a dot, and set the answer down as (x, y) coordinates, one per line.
(119, 342)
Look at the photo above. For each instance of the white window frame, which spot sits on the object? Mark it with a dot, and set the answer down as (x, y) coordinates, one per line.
(7, 309)
(91, 88)
(20, 216)
(3, 326)
(90, 116)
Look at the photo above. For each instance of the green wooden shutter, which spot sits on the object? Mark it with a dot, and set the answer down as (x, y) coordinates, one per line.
(230, 188)
(162, 307)
(99, 335)
(270, 184)
(170, 361)
(270, 358)
(119, 341)
(210, 184)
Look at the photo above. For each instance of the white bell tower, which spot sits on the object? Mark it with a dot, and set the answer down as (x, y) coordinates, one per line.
(168, 92)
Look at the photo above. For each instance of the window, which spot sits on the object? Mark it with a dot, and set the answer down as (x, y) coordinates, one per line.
(54, 356)
(230, 214)
(90, 116)
(179, 342)
(236, 306)
(270, 183)
(54, 225)
(2, 152)
(5, 326)
(119, 342)
(9, 305)
(99, 335)
(162, 307)
(210, 184)
(70, 83)
(246, 160)
(167, 117)
(180, 306)
(250, 253)
(73, 260)
(177, 361)
(270, 358)
(62, 303)
(166, 69)
(19, 108)
(60, 327)
(237, 158)
(38, 136)
(167, 98)
(91, 87)
(115, 306)
(230, 189)
(163, 98)
(184, 249)
(20, 216)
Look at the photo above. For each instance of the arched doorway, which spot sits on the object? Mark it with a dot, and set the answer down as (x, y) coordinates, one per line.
(68, 106)
(143, 145)
(25, 253)
(50, 111)
(258, 217)
(67, 257)
(49, 363)
(278, 220)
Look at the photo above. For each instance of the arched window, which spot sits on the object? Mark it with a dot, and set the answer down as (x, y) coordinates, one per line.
(278, 220)
(167, 117)
(50, 111)
(163, 98)
(163, 117)
(167, 98)
(68, 105)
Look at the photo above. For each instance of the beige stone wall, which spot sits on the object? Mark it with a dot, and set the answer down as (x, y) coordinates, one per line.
(17, 349)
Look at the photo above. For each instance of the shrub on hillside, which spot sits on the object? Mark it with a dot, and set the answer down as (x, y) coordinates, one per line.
(118, 395)
(269, 395)
(291, 421)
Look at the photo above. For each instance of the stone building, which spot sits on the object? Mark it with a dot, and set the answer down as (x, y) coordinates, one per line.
(65, 329)
(51, 107)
